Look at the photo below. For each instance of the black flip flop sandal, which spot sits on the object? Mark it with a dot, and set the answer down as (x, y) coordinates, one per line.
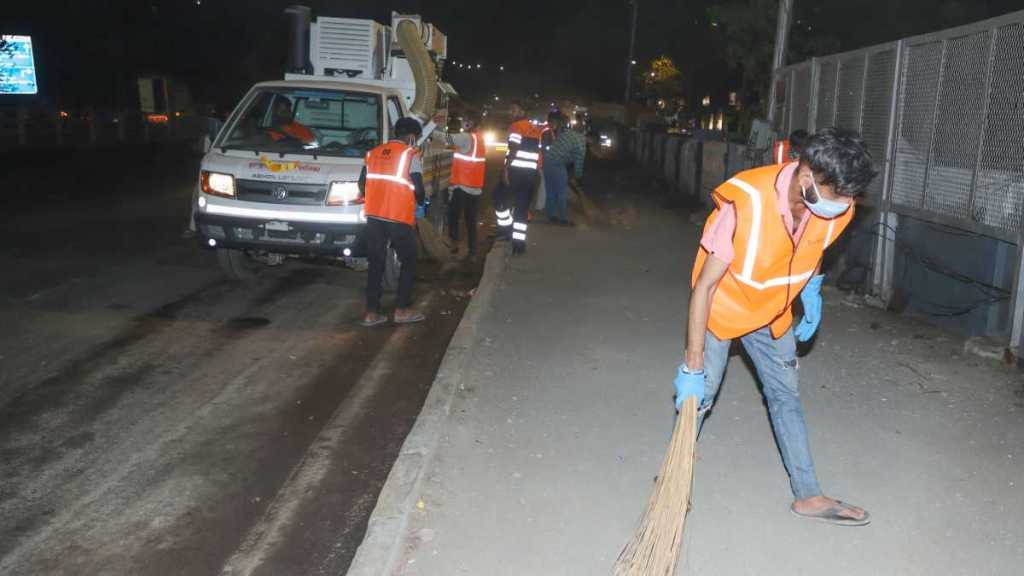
(833, 516)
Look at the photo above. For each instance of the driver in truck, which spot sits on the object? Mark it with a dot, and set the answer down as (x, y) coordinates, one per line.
(285, 125)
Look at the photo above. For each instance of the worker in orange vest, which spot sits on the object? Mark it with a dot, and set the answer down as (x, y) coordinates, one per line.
(285, 127)
(392, 186)
(520, 177)
(466, 185)
(762, 247)
(788, 150)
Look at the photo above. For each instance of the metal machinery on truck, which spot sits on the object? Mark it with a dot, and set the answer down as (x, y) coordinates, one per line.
(281, 177)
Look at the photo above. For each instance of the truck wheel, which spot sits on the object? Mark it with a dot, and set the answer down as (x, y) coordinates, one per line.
(392, 268)
(237, 264)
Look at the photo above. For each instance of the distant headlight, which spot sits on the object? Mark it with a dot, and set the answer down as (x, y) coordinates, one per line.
(606, 141)
(344, 194)
(490, 137)
(217, 184)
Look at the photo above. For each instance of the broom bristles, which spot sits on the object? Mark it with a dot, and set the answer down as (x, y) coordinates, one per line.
(432, 241)
(654, 548)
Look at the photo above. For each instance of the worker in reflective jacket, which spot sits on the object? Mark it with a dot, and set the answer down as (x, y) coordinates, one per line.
(285, 127)
(788, 150)
(762, 247)
(392, 186)
(520, 175)
(466, 185)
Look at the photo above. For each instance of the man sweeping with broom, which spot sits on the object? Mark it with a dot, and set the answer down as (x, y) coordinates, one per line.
(762, 246)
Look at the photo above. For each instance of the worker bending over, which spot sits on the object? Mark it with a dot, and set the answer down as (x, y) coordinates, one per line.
(392, 184)
(569, 149)
(762, 246)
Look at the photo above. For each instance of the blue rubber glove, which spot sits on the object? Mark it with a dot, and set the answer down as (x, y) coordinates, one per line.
(688, 383)
(421, 212)
(811, 297)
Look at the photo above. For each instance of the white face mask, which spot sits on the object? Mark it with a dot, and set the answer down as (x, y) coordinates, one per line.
(822, 207)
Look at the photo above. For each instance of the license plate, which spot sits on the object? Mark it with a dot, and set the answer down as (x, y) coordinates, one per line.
(277, 226)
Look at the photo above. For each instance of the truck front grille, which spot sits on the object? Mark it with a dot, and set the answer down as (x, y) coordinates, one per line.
(281, 192)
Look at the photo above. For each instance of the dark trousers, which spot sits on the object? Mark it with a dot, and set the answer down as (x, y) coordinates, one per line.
(502, 209)
(465, 205)
(521, 183)
(402, 237)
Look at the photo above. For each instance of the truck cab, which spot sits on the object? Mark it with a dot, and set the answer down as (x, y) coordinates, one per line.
(281, 177)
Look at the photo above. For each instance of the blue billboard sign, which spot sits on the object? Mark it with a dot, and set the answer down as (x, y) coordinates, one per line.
(17, 67)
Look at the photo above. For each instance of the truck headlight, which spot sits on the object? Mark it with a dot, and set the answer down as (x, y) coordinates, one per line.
(344, 194)
(489, 137)
(217, 184)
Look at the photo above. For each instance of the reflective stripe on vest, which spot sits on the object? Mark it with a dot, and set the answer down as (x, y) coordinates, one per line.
(781, 152)
(390, 193)
(469, 169)
(768, 272)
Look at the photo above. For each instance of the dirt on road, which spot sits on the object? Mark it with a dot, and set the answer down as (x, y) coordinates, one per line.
(156, 418)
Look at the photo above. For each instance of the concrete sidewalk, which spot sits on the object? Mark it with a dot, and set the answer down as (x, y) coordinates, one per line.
(549, 455)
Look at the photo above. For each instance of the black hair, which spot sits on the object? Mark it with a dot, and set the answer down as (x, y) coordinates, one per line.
(798, 140)
(407, 127)
(839, 158)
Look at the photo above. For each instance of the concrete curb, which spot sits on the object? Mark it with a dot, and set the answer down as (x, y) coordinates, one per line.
(380, 549)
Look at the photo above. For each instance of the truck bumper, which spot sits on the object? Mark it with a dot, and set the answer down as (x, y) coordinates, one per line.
(297, 238)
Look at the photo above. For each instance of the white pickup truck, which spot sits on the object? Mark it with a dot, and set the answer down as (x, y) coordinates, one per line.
(280, 179)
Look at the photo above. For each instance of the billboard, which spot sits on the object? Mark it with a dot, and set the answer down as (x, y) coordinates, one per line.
(17, 67)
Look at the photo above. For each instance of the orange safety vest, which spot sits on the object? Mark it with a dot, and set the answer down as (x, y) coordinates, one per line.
(390, 193)
(526, 135)
(769, 269)
(780, 152)
(468, 169)
(295, 130)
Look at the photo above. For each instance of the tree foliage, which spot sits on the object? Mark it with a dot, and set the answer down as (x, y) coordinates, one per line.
(662, 79)
(748, 30)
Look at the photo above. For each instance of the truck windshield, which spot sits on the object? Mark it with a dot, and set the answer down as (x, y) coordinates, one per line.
(307, 121)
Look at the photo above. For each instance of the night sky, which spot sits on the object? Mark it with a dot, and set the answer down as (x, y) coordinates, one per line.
(88, 52)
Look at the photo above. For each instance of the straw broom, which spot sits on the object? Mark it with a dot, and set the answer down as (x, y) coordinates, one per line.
(431, 240)
(586, 205)
(655, 545)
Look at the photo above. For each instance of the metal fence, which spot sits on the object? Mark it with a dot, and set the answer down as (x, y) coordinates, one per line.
(943, 116)
(942, 113)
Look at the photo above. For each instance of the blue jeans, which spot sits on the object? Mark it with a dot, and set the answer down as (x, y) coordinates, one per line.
(556, 183)
(777, 366)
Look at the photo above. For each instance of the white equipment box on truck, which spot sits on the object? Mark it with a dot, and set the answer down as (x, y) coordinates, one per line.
(281, 177)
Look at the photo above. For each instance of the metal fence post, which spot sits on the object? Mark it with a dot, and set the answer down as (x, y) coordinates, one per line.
(935, 116)
(1017, 306)
(989, 63)
(812, 106)
(888, 221)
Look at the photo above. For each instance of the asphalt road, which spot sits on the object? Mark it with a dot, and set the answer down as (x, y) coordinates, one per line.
(156, 418)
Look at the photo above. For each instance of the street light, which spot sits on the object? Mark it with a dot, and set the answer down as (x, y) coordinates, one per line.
(633, 62)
